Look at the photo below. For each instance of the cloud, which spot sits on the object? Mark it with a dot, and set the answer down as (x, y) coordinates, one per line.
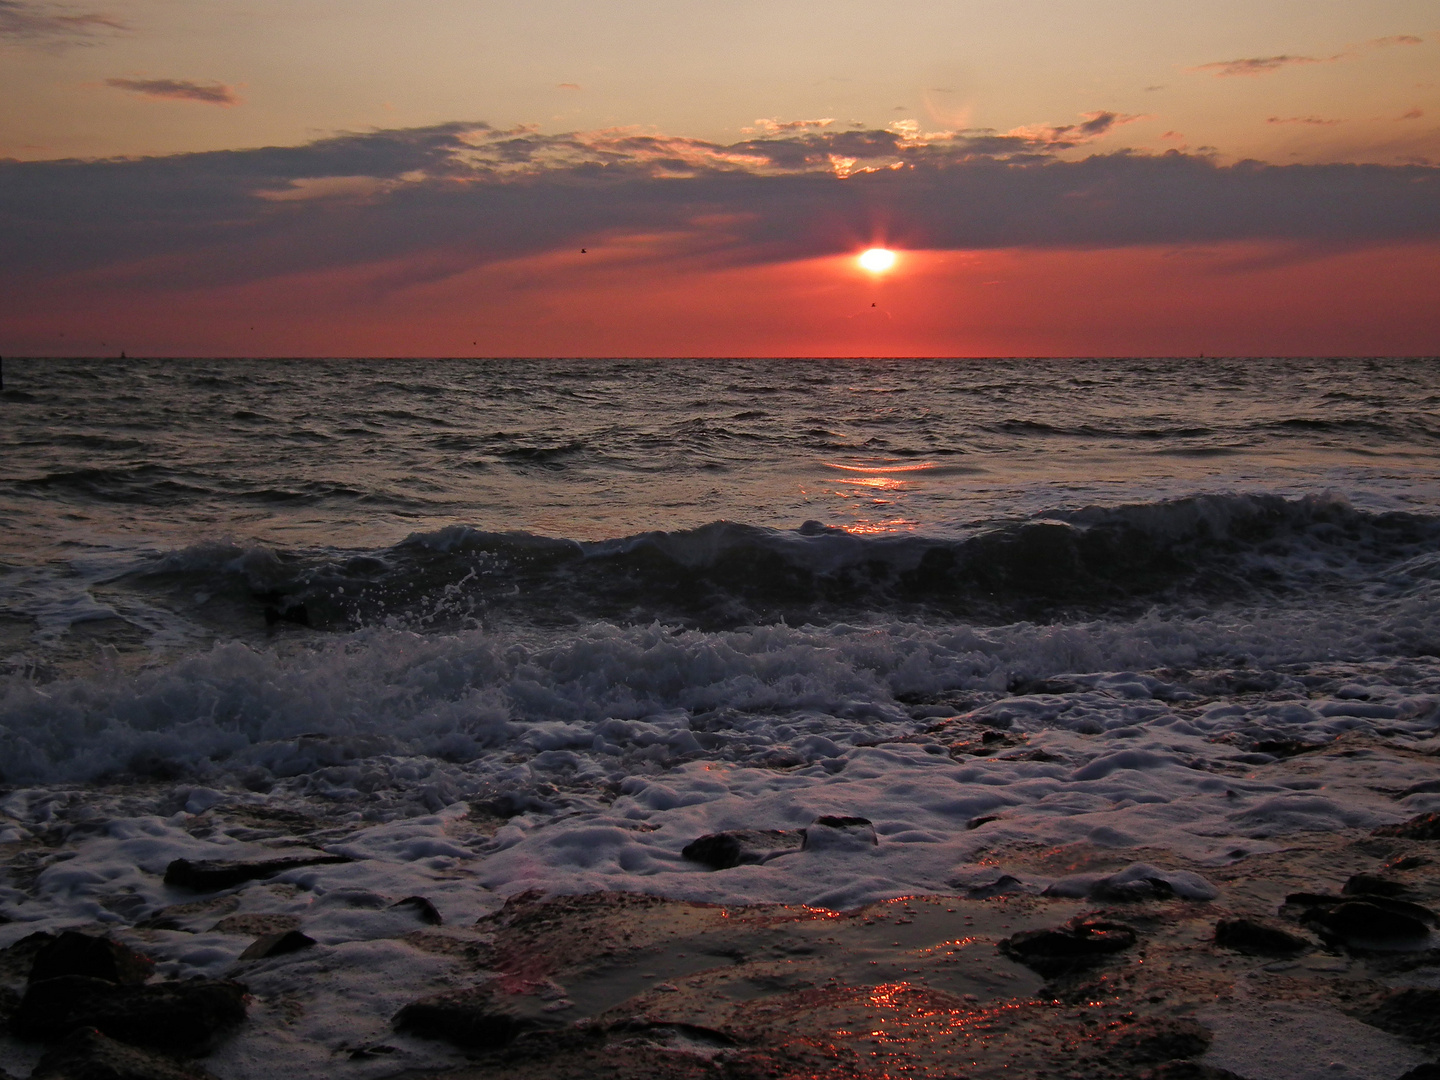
(1315, 120)
(1095, 125)
(567, 86)
(1264, 65)
(1260, 65)
(27, 22)
(781, 127)
(1413, 114)
(212, 93)
(458, 196)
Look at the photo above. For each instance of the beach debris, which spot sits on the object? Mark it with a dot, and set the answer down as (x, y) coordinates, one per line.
(89, 1055)
(1081, 942)
(471, 1018)
(74, 953)
(1421, 827)
(1258, 938)
(210, 875)
(424, 910)
(838, 832)
(277, 944)
(743, 847)
(1138, 881)
(183, 1016)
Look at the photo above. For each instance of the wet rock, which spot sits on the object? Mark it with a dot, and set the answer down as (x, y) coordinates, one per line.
(209, 875)
(89, 1055)
(836, 832)
(185, 1017)
(423, 909)
(277, 944)
(1138, 881)
(1004, 885)
(469, 1018)
(256, 924)
(1412, 1012)
(17, 960)
(74, 953)
(1372, 885)
(1257, 938)
(1317, 910)
(1422, 827)
(1364, 924)
(1078, 944)
(1158, 1039)
(1189, 1070)
(743, 847)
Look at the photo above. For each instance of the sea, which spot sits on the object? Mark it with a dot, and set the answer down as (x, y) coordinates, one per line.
(489, 626)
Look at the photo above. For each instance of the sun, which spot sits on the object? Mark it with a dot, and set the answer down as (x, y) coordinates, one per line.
(877, 260)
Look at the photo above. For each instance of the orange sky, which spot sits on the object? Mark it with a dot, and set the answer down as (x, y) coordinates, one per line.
(297, 177)
(1235, 299)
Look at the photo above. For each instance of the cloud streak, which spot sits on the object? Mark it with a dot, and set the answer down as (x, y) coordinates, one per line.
(1265, 65)
(30, 23)
(1261, 65)
(208, 93)
(463, 195)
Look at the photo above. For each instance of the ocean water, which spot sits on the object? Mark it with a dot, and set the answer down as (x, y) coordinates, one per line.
(501, 625)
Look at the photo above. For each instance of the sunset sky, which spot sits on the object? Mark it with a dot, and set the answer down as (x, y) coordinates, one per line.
(312, 177)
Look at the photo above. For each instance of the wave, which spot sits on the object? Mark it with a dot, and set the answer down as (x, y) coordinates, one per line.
(1075, 564)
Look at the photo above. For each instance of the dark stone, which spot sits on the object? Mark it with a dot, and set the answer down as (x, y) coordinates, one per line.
(277, 944)
(742, 847)
(1362, 922)
(1412, 1012)
(836, 821)
(1158, 1039)
(184, 1017)
(1315, 907)
(210, 875)
(370, 1053)
(17, 960)
(984, 819)
(74, 953)
(1248, 936)
(1372, 885)
(1078, 944)
(1189, 1070)
(1429, 1071)
(423, 908)
(1422, 827)
(469, 1018)
(89, 1055)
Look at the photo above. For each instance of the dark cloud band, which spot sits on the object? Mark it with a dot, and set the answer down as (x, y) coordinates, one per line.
(465, 194)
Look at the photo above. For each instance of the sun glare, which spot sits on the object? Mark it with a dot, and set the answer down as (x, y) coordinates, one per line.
(877, 260)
